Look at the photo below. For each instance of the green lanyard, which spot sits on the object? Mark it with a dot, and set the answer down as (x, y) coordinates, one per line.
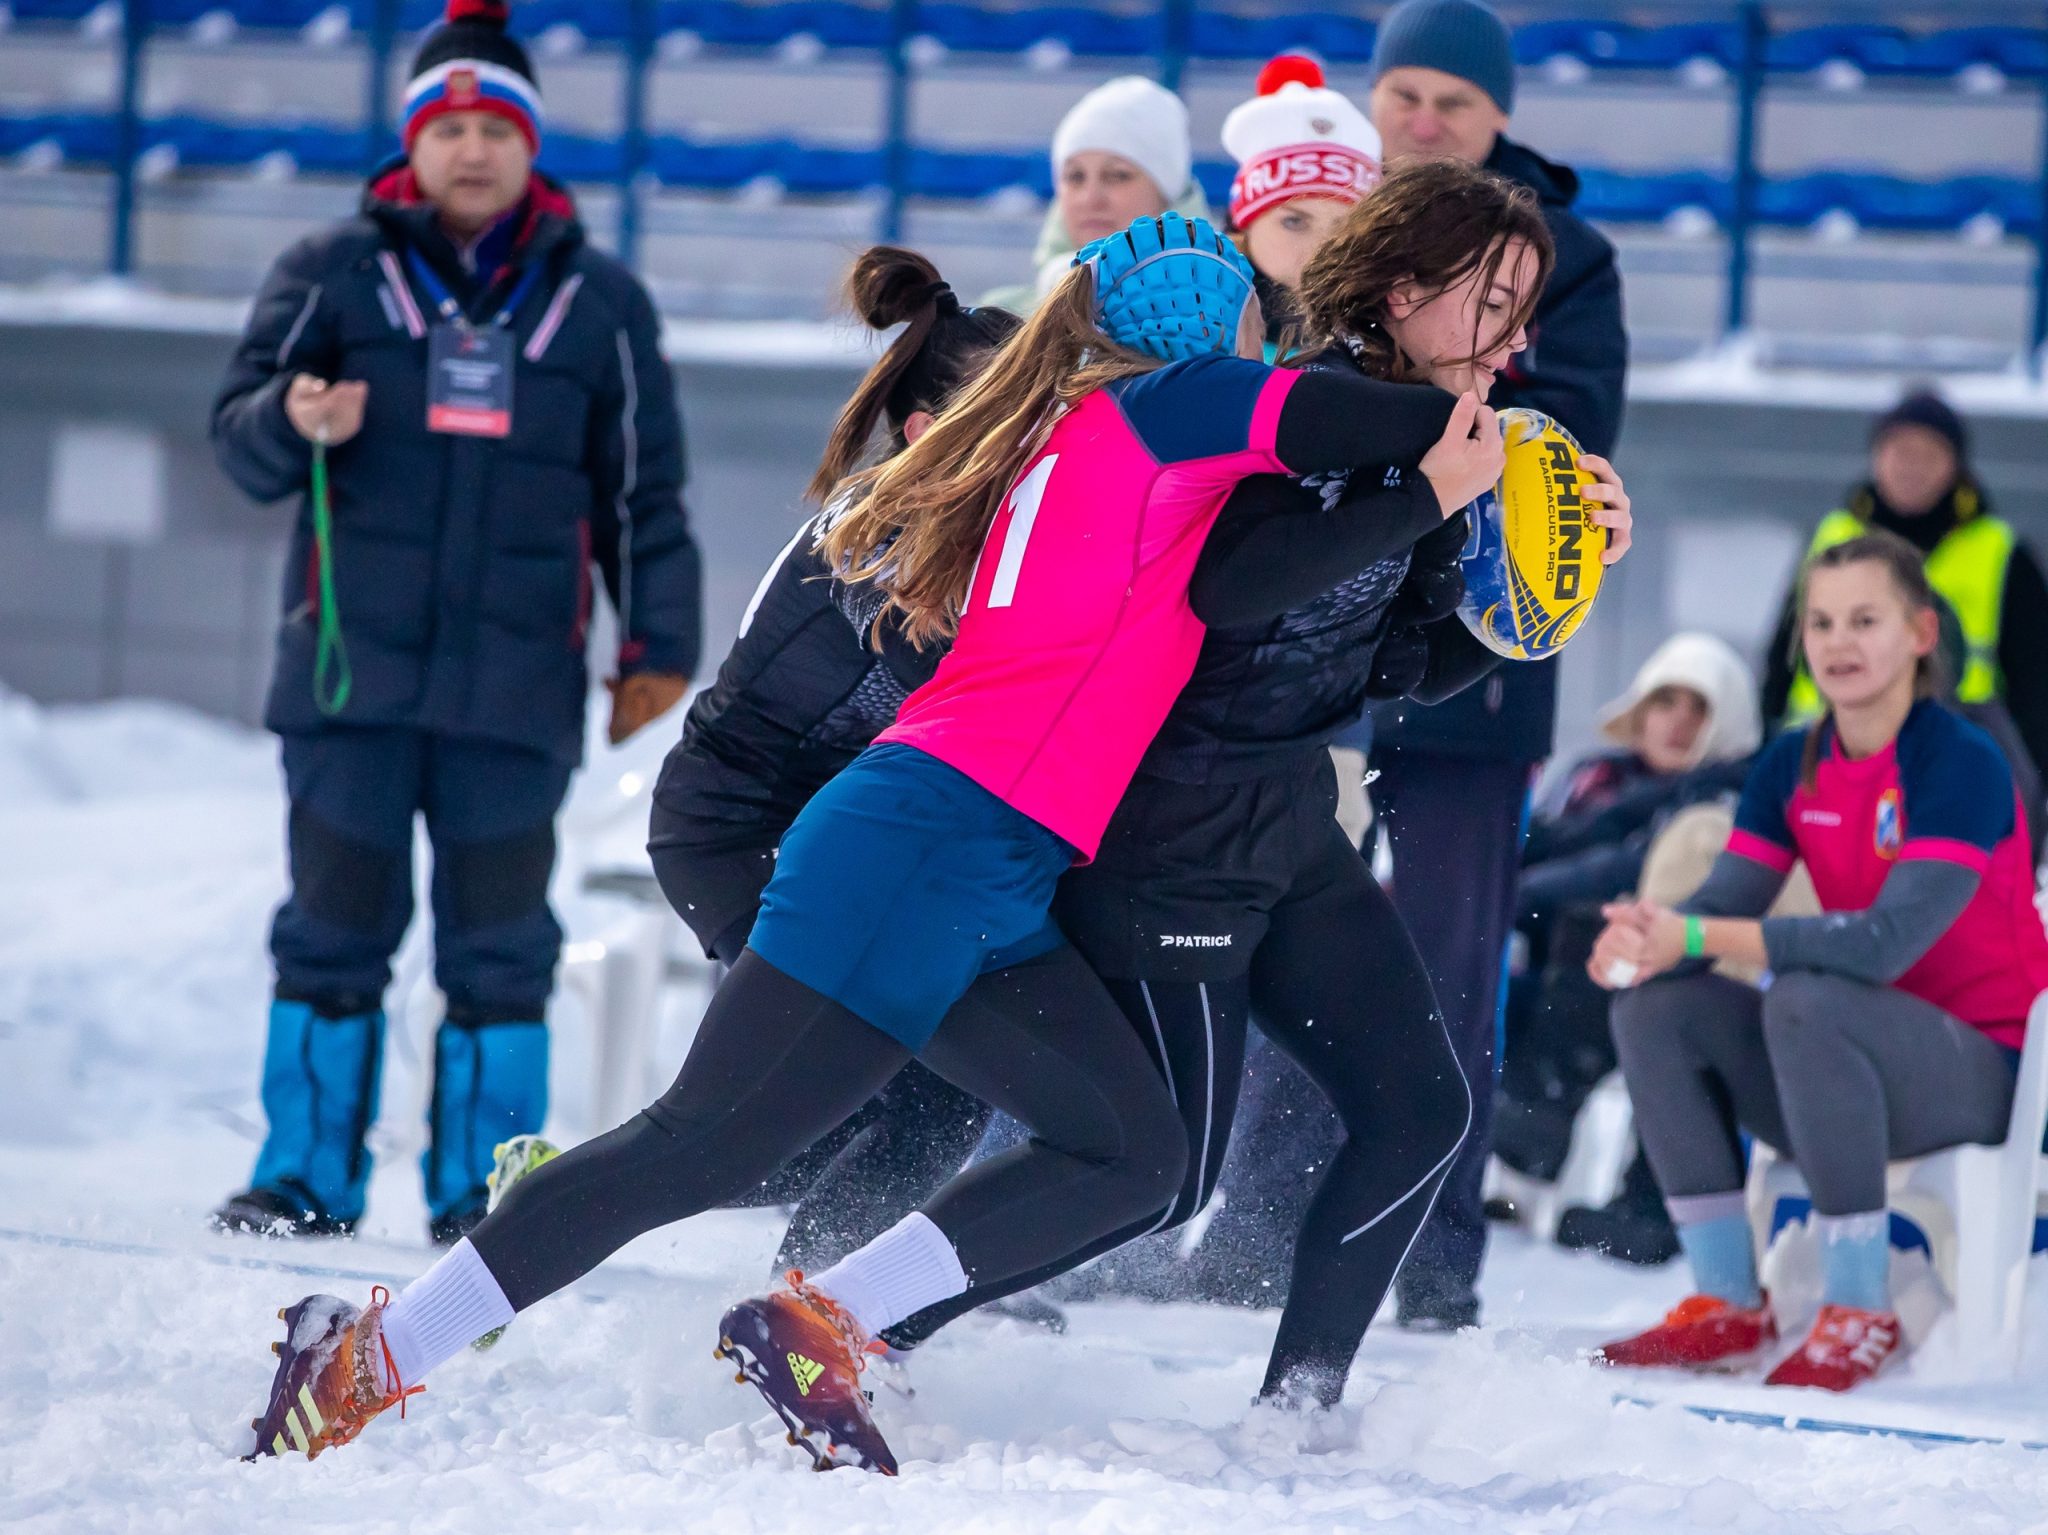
(331, 654)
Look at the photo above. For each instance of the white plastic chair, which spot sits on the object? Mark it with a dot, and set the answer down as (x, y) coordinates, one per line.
(617, 955)
(1976, 1205)
(1603, 1144)
(616, 974)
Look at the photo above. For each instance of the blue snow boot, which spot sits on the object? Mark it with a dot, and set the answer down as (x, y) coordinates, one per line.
(320, 1078)
(490, 1084)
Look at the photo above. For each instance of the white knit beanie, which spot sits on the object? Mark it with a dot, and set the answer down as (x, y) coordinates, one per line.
(1134, 117)
(1297, 138)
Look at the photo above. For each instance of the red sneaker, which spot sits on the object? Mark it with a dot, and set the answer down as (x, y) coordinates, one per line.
(1701, 1332)
(805, 1354)
(1846, 1347)
(330, 1379)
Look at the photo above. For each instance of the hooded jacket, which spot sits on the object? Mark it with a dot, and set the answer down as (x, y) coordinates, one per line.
(1708, 666)
(1572, 371)
(1614, 799)
(461, 565)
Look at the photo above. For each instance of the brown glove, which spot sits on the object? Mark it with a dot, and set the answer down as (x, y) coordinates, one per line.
(642, 698)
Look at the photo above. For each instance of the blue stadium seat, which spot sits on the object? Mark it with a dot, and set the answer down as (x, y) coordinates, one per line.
(318, 148)
(1876, 201)
(1614, 45)
(1093, 31)
(801, 168)
(82, 136)
(1884, 202)
(1081, 29)
(1338, 39)
(578, 157)
(958, 176)
(72, 11)
(2020, 53)
(1622, 198)
(733, 23)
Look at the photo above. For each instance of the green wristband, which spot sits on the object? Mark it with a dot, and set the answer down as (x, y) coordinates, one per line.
(1695, 938)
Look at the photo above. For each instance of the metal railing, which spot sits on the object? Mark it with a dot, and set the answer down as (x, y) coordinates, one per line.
(379, 23)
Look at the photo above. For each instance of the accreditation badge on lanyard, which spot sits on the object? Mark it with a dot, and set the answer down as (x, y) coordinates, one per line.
(469, 367)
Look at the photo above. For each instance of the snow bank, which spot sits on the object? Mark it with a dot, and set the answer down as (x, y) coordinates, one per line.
(142, 854)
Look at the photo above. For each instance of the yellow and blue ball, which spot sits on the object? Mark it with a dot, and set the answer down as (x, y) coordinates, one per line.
(1532, 558)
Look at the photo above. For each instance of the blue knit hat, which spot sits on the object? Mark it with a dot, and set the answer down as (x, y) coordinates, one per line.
(1459, 37)
(1170, 287)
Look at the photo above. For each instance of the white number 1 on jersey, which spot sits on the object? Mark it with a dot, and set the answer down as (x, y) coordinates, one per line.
(1023, 516)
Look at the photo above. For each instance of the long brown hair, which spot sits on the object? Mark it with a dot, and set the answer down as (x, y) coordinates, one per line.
(1434, 223)
(1908, 572)
(919, 528)
(942, 345)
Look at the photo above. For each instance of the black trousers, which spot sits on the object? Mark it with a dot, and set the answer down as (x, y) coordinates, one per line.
(1456, 828)
(490, 810)
(775, 1065)
(864, 1175)
(1338, 987)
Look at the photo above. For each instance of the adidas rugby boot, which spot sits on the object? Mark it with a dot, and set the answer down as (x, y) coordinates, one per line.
(805, 1353)
(331, 1380)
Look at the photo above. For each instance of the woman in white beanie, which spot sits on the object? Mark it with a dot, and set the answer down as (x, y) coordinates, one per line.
(1304, 155)
(1122, 152)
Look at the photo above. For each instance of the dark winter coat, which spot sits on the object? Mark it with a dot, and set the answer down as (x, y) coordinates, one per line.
(462, 564)
(799, 696)
(1264, 692)
(1615, 800)
(1571, 371)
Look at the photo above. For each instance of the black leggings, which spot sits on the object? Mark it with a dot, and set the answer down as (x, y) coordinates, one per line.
(775, 1065)
(863, 1176)
(1336, 983)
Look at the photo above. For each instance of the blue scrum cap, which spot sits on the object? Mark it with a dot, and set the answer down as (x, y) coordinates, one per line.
(1170, 287)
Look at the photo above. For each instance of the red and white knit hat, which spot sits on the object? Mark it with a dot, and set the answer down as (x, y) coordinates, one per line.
(1297, 138)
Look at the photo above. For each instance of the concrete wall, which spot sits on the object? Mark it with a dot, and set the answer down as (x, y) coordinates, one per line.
(128, 566)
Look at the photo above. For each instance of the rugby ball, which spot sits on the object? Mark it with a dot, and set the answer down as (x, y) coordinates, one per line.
(1532, 560)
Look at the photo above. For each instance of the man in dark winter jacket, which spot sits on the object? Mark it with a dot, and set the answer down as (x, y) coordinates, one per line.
(1454, 777)
(473, 406)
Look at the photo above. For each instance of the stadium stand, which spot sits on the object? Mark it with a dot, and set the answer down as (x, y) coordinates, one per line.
(711, 77)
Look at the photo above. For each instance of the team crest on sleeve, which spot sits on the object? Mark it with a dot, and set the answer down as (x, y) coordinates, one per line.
(1891, 824)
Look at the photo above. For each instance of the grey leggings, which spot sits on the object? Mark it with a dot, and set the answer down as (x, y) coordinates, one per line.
(1839, 1075)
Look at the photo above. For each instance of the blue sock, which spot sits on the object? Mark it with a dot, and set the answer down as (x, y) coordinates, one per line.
(1855, 1259)
(1723, 1258)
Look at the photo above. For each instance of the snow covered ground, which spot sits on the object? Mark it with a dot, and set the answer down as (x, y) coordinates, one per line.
(140, 853)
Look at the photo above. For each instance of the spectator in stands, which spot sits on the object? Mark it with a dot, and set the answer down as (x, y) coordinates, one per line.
(1454, 778)
(1304, 155)
(1682, 734)
(482, 397)
(1921, 487)
(1121, 153)
(1892, 1022)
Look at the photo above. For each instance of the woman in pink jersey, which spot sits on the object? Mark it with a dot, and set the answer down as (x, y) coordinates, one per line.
(1892, 1022)
(1050, 521)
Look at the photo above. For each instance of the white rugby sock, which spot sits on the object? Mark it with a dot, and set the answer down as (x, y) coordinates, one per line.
(441, 1313)
(910, 1266)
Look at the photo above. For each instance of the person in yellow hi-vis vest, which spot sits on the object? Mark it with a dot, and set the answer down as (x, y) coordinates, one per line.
(1921, 488)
